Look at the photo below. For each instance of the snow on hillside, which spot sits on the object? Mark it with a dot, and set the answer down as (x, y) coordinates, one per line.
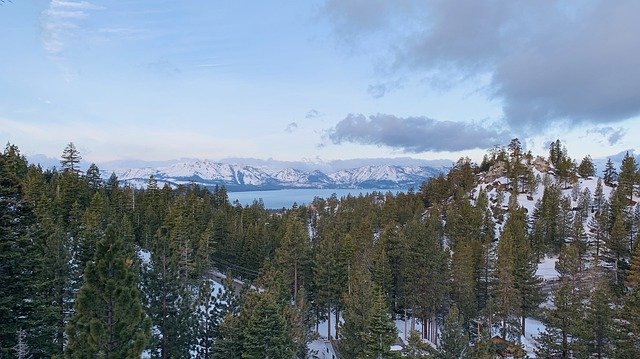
(533, 329)
(396, 174)
(547, 268)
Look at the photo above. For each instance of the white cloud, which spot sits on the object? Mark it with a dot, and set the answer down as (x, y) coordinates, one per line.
(60, 20)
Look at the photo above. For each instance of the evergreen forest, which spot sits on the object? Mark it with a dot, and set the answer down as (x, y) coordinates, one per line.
(462, 267)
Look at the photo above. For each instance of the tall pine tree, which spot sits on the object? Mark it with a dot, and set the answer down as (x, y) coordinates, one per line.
(109, 321)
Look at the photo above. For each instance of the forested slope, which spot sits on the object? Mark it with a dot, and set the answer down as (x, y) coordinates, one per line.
(458, 261)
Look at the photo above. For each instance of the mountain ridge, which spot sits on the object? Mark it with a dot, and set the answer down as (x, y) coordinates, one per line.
(241, 177)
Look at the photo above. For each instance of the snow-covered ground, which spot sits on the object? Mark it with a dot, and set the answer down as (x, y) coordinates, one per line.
(321, 349)
(547, 268)
(533, 328)
(400, 327)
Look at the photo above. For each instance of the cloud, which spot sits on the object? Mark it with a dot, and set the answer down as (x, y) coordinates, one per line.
(381, 89)
(549, 63)
(59, 21)
(313, 114)
(352, 18)
(291, 127)
(612, 135)
(414, 134)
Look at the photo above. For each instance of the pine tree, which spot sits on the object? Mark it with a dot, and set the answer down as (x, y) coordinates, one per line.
(299, 317)
(417, 348)
(596, 331)
(382, 332)
(170, 299)
(616, 249)
(327, 282)
(555, 152)
(586, 167)
(463, 280)
(548, 229)
(633, 276)
(152, 185)
(93, 177)
(578, 235)
(425, 270)
(70, 160)
(628, 175)
(598, 197)
(112, 183)
(368, 331)
(293, 253)
(609, 174)
(230, 343)
(92, 229)
(598, 234)
(525, 264)
(19, 282)
(454, 342)
(516, 168)
(266, 332)
(562, 320)
(584, 204)
(109, 320)
(507, 298)
(54, 252)
(627, 339)
(208, 321)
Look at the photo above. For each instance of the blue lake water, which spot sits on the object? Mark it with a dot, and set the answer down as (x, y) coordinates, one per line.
(277, 199)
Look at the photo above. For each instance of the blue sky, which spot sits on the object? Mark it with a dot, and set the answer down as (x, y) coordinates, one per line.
(332, 79)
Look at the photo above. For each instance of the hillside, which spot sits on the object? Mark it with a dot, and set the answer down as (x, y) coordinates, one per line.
(488, 260)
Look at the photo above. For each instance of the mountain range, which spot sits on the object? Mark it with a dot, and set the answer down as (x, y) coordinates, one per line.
(244, 177)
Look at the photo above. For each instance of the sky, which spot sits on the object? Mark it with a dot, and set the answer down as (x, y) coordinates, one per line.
(317, 80)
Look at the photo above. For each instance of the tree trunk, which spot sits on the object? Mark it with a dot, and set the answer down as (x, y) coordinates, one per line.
(329, 324)
(413, 319)
(565, 344)
(337, 321)
(110, 329)
(405, 324)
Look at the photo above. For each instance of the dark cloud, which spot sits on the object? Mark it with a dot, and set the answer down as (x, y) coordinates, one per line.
(352, 18)
(549, 62)
(291, 127)
(586, 73)
(414, 134)
(612, 135)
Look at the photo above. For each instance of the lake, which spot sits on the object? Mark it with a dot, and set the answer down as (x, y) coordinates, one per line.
(277, 199)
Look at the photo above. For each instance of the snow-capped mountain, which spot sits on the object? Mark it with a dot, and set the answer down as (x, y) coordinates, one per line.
(385, 175)
(237, 177)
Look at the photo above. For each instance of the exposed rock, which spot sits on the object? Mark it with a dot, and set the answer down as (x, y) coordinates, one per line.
(541, 164)
(499, 169)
